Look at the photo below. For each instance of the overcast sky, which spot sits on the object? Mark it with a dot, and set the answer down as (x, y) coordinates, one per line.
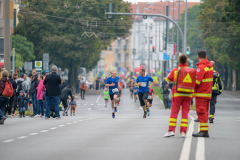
(135, 1)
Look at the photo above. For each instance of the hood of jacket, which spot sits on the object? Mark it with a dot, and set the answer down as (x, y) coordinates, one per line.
(205, 62)
(20, 80)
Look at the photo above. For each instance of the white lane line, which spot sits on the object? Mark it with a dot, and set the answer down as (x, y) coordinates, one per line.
(89, 109)
(200, 151)
(140, 108)
(69, 123)
(91, 104)
(85, 119)
(44, 131)
(100, 104)
(75, 122)
(85, 104)
(22, 137)
(53, 128)
(90, 118)
(9, 140)
(185, 153)
(61, 125)
(33, 134)
(80, 120)
(99, 97)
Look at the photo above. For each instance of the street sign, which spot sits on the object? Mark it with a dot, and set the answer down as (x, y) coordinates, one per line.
(165, 56)
(45, 61)
(28, 65)
(38, 65)
(170, 49)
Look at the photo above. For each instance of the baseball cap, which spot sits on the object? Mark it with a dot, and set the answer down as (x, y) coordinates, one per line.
(47, 72)
(22, 91)
(21, 75)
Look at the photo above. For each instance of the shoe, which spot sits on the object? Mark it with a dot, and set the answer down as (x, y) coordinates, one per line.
(73, 114)
(169, 134)
(196, 120)
(46, 117)
(58, 117)
(183, 135)
(38, 115)
(148, 113)
(145, 115)
(201, 134)
(210, 120)
(147, 108)
(66, 114)
(63, 114)
(70, 114)
(115, 109)
(105, 105)
(2, 120)
(113, 115)
(32, 115)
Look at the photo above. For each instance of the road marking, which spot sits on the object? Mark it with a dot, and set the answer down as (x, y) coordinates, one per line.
(89, 109)
(91, 104)
(140, 108)
(33, 134)
(61, 125)
(100, 104)
(9, 140)
(53, 128)
(75, 122)
(85, 104)
(80, 120)
(69, 123)
(99, 97)
(22, 137)
(200, 151)
(185, 153)
(85, 119)
(90, 118)
(44, 131)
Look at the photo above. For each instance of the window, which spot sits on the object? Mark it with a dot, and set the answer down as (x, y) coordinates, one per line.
(151, 25)
(110, 47)
(150, 40)
(145, 40)
(146, 26)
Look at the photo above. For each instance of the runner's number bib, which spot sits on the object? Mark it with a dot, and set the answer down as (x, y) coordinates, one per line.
(115, 90)
(143, 84)
(149, 97)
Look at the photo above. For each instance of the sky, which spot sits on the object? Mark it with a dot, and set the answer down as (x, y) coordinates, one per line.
(135, 1)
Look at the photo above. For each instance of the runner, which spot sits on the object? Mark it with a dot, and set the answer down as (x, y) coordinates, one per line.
(143, 81)
(113, 84)
(135, 92)
(150, 98)
(131, 85)
(106, 95)
(120, 89)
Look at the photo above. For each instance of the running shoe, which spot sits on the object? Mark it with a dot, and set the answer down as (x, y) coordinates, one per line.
(145, 115)
(169, 134)
(147, 108)
(115, 109)
(113, 115)
(183, 135)
(148, 113)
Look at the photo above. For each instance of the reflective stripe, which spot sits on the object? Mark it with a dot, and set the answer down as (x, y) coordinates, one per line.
(181, 95)
(186, 90)
(204, 129)
(202, 95)
(172, 124)
(207, 80)
(173, 119)
(208, 69)
(203, 124)
(167, 80)
(211, 116)
(198, 82)
(183, 125)
(184, 120)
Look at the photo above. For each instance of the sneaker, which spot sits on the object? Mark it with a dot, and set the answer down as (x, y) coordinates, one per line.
(105, 105)
(169, 134)
(38, 115)
(147, 108)
(145, 115)
(148, 113)
(63, 114)
(113, 115)
(210, 120)
(46, 117)
(201, 134)
(196, 120)
(73, 114)
(115, 109)
(183, 135)
(58, 117)
(66, 114)
(70, 114)
(32, 115)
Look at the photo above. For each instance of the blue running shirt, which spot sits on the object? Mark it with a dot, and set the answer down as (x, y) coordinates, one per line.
(110, 80)
(144, 83)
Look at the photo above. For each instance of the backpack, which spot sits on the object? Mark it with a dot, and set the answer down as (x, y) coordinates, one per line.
(85, 87)
(80, 86)
(8, 90)
(19, 86)
(186, 78)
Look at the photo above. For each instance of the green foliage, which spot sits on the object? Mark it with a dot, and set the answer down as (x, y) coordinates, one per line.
(23, 47)
(19, 60)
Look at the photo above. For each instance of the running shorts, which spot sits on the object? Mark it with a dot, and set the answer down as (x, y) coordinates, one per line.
(112, 95)
(150, 101)
(142, 96)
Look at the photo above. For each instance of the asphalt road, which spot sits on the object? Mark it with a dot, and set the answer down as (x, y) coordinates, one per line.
(94, 134)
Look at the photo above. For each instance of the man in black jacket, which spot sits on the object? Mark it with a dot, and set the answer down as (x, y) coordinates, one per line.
(64, 97)
(33, 91)
(52, 82)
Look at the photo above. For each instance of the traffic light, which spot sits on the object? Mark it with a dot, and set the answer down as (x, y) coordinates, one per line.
(110, 8)
(188, 50)
(153, 48)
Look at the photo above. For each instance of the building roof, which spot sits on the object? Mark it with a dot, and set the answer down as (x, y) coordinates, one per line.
(160, 7)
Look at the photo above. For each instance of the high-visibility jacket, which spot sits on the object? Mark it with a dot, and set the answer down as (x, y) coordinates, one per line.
(173, 77)
(204, 79)
(217, 84)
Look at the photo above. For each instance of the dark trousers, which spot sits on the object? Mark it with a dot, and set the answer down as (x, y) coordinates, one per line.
(77, 89)
(82, 93)
(56, 105)
(212, 104)
(3, 104)
(166, 102)
(15, 103)
(10, 105)
(64, 102)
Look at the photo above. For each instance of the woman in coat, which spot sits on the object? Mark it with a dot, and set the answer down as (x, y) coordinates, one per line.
(40, 91)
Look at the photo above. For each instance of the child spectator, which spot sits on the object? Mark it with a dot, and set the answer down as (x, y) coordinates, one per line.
(21, 103)
(106, 95)
(73, 105)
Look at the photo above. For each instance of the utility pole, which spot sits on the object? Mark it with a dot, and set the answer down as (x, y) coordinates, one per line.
(185, 29)
(13, 61)
(178, 31)
(7, 52)
(166, 40)
(149, 51)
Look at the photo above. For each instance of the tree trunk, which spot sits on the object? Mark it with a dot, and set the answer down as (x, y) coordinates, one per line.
(72, 76)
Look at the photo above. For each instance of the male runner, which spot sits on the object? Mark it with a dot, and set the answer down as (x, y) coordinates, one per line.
(150, 98)
(113, 84)
(143, 81)
(131, 85)
(135, 92)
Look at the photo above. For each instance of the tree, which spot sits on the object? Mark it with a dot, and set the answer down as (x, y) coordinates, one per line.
(57, 27)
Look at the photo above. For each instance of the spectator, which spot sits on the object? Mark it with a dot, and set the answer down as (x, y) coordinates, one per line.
(52, 81)
(166, 97)
(15, 97)
(97, 84)
(21, 103)
(3, 100)
(64, 97)
(33, 91)
(73, 105)
(1, 72)
(41, 89)
(81, 87)
(164, 83)
(62, 85)
(11, 100)
(28, 81)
